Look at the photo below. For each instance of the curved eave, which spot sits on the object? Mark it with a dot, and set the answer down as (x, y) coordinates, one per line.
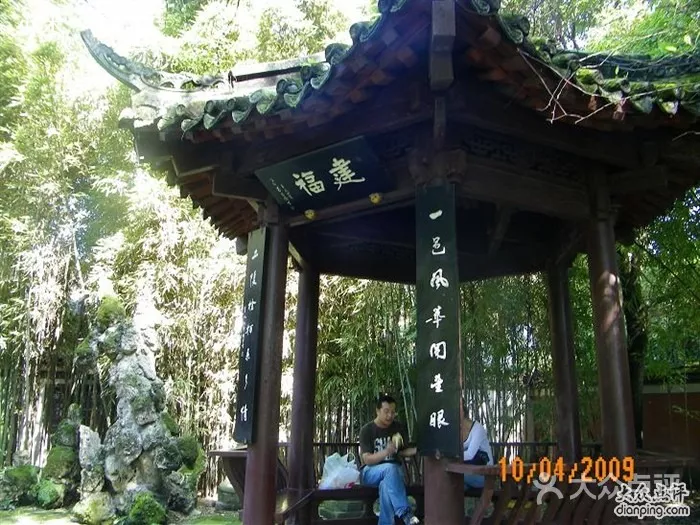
(620, 92)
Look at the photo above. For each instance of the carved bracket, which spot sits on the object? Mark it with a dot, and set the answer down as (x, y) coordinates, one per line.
(427, 166)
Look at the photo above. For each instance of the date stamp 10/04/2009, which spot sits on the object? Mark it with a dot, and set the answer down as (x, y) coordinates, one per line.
(586, 470)
(636, 495)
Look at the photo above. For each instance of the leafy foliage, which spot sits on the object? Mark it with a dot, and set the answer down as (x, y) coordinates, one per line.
(655, 28)
(303, 33)
(179, 15)
(565, 22)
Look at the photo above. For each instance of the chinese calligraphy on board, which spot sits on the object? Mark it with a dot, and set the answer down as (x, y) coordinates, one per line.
(343, 172)
(248, 368)
(437, 341)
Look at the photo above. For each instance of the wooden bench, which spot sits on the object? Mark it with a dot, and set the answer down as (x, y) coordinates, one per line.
(290, 501)
(234, 465)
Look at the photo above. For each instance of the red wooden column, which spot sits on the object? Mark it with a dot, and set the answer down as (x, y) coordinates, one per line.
(300, 461)
(261, 466)
(564, 363)
(608, 321)
(444, 492)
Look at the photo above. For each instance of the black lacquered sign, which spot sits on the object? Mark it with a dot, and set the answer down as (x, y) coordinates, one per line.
(249, 363)
(343, 172)
(437, 341)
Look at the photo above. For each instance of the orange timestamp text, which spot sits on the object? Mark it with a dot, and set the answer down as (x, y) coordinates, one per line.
(587, 470)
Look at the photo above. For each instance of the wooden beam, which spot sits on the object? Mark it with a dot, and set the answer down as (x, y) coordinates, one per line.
(227, 184)
(499, 183)
(632, 181)
(441, 42)
(189, 160)
(293, 252)
(392, 198)
(502, 221)
(391, 110)
(471, 103)
(402, 269)
(570, 245)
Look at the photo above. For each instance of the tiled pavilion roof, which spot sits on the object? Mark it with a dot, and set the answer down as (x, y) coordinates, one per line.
(548, 113)
(633, 90)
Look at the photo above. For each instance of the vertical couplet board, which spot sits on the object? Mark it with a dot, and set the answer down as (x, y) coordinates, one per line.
(249, 363)
(438, 353)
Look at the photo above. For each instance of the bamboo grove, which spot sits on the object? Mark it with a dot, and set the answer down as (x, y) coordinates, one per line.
(79, 219)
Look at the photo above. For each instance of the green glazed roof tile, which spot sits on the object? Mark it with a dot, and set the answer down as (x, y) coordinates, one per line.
(215, 103)
(671, 84)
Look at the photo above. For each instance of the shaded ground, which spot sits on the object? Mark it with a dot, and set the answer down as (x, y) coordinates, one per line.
(204, 515)
(207, 515)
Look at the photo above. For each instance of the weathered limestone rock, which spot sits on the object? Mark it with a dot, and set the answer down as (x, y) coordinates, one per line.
(92, 475)
(123, 439)
(60, 477)
(155, 435)
(95, 509)
(142, 452)
(168, 457)
(179, 493)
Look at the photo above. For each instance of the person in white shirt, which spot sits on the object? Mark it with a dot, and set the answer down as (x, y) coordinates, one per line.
(477, 450)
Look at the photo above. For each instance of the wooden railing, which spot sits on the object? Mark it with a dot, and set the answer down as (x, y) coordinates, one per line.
(528, 451)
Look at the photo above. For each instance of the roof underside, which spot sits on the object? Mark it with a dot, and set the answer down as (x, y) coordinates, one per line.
(527, 125)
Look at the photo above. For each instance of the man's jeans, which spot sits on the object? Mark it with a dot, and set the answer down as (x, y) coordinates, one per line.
(392, 490)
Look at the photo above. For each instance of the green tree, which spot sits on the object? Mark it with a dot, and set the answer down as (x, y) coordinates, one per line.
(280, 37)
(565, 22)
(656, 28)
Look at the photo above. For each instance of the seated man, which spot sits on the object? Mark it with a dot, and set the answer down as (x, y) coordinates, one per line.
(477, 450)
(379, 447)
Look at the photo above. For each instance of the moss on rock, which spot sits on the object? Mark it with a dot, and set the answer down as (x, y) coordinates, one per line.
(23, 477)
(170, 424)
(168, 456)
(189, 450)
(66, 435)
(49, 495)
(110, 311)
(589, 77)
(96, 509)
(83, 350)
(193, 473)
(111, 341)
(62, 463)
(146, 510)
(17, 486)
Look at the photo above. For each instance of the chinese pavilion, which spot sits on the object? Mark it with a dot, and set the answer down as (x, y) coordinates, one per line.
(443, 145)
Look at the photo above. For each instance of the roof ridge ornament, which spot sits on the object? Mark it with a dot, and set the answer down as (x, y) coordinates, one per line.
(139, 76)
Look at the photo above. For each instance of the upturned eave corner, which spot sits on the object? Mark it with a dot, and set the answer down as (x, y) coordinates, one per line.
(121, 68)
(140, 77)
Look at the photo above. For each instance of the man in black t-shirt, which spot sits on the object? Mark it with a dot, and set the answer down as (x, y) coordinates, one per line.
(381, 442)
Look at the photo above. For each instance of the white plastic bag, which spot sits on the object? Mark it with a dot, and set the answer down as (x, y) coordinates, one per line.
(339, 472)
